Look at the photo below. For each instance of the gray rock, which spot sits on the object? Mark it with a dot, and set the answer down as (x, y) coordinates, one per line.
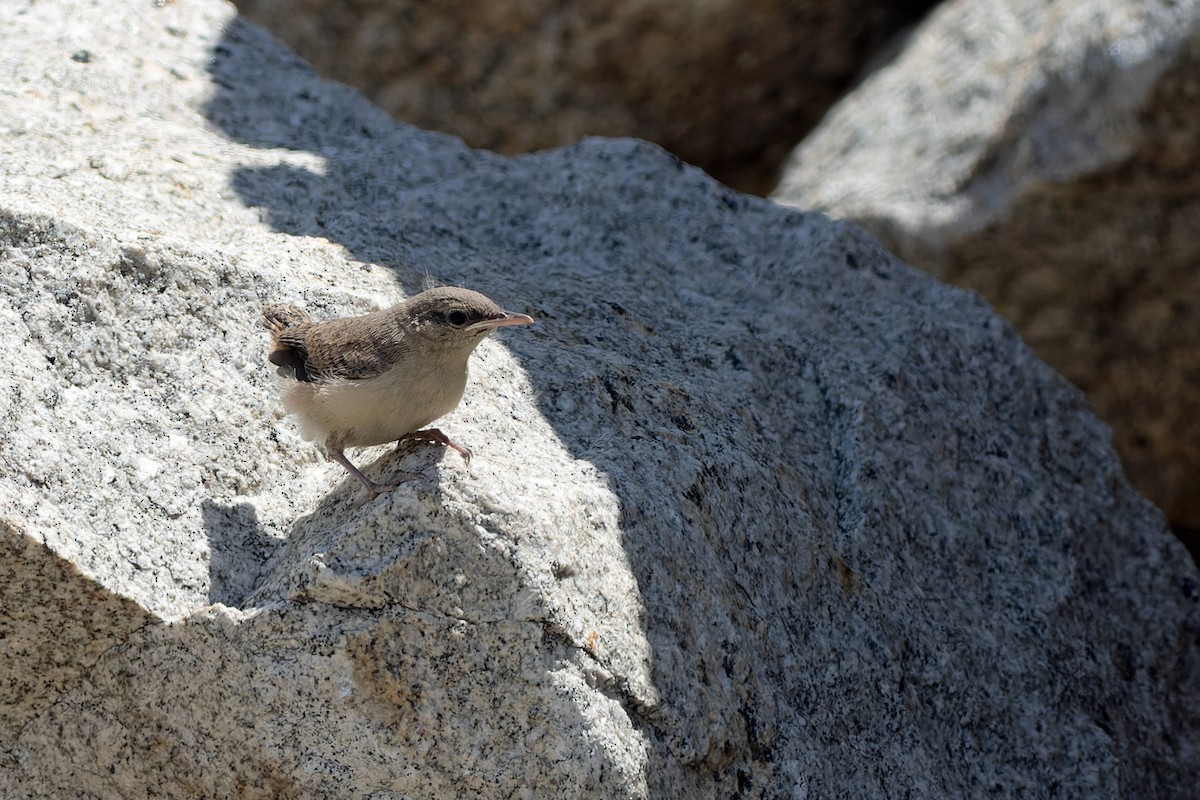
(756, 509)
(1044, 155)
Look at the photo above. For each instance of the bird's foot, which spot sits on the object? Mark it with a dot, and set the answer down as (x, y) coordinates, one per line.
(436, 436)
(373, 489)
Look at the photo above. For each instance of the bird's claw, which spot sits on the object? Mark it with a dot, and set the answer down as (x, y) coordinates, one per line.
(438, 437)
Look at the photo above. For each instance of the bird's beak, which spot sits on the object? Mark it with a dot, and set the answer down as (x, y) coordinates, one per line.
(501, 322)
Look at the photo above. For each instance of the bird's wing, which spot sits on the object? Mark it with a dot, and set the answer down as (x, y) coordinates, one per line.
(341, 349)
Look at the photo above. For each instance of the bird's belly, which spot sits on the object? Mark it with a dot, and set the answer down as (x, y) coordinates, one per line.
(368, 412)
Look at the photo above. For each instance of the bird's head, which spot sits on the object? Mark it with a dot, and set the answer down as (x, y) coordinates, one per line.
(458, 317)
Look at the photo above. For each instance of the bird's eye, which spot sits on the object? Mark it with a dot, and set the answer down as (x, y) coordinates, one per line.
(457, 318)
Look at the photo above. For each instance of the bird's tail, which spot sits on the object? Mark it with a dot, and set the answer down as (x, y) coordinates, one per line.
(278, 317)
(287, 325)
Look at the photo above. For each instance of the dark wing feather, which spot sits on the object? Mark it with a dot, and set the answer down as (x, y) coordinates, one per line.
(356, 348)
(350, 349)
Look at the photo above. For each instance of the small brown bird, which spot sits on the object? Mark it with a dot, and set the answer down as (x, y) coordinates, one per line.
(381, 377)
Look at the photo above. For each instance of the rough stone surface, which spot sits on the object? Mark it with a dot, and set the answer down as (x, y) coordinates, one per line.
(726, 84)
(1045, 155)
(756, 509)
(55, 624)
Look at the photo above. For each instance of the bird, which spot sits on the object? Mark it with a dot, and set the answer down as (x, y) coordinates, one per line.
(383, 376)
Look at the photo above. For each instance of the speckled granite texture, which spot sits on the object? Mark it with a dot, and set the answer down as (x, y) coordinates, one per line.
(1044, 155)
(756, 509)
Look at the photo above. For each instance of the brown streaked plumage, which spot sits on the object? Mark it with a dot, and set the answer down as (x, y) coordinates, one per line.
(380, 377)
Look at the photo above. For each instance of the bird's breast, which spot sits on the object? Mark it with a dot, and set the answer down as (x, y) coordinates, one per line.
(377, 410)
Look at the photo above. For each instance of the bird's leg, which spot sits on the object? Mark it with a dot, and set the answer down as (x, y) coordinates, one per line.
(435, 435)
(373, 489)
